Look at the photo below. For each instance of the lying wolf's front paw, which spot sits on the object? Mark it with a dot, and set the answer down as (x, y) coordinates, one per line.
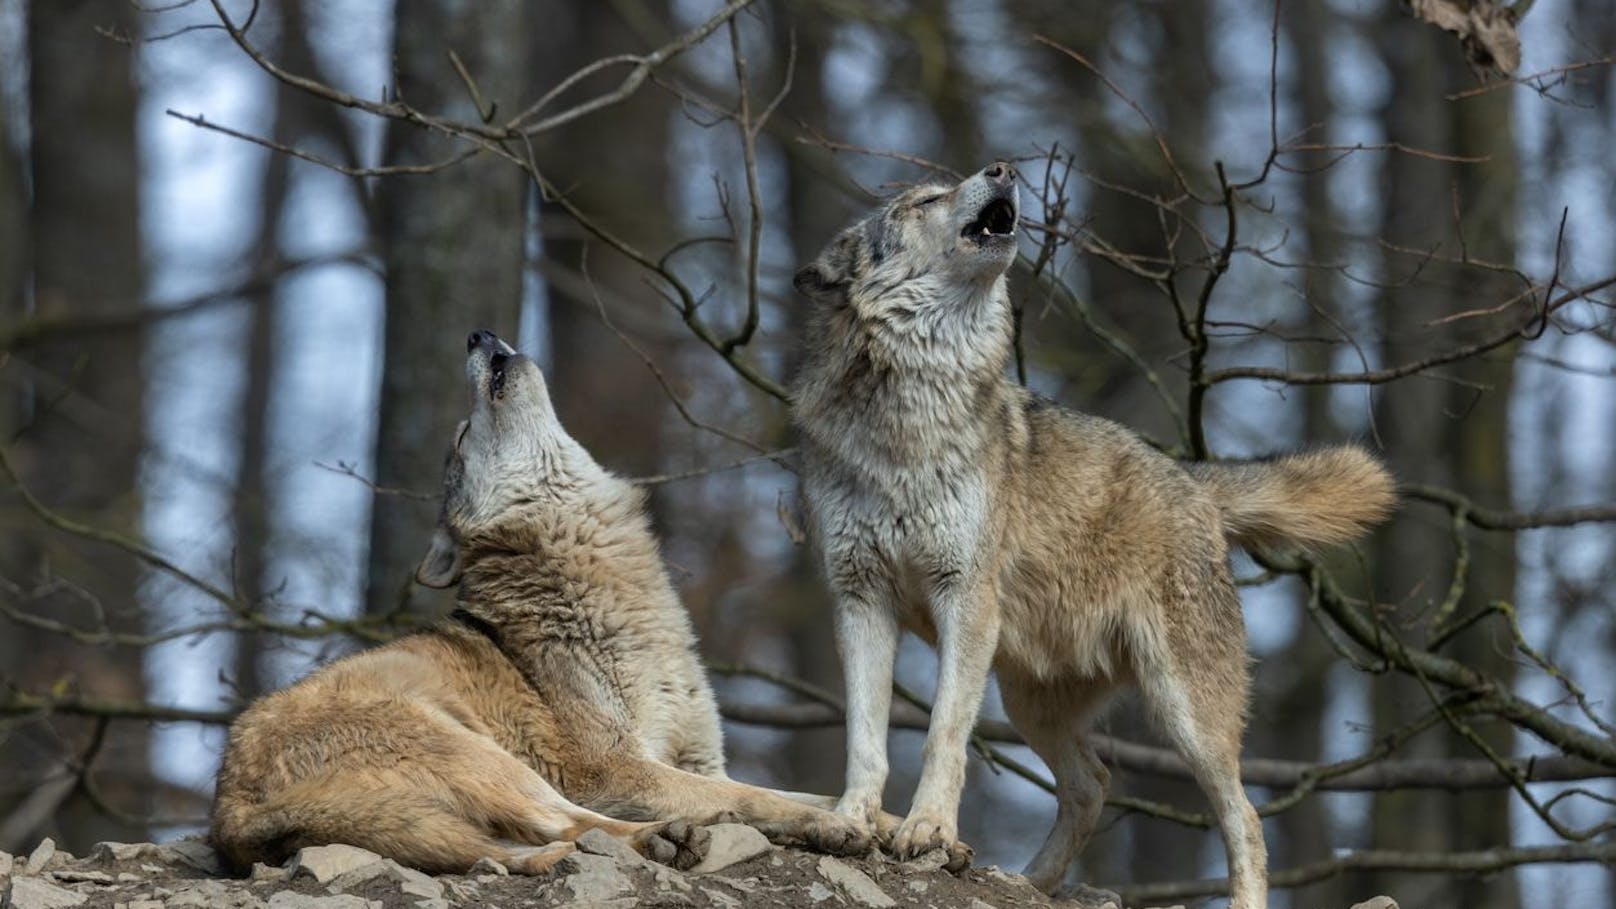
(920, 834)
(837, 835)
(886, 827)
(680, 844)
(538, 859)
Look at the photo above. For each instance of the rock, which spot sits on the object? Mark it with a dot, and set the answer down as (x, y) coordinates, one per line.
(33, 893)
(731, 844)
(1178, 906)
(410, 881)
(146, 904)
(6, 863)
(596, 841)
(720, 899)
(1093, 897)
(41, 854)
(486, 865)
(432, 904)
(187, 853)
(1376, 902)
(855, 883)
(819, 893)
(668, 879)
(326, 863)
(995, 873)
(191, 852)
(107, 853)
(931, 861)
(82, 877)
(291, 899)
(262, 873)
(210, 894)
(978, 904)
(593, 878)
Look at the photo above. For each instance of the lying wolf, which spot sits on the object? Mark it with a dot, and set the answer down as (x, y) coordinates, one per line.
(1012, 533)
(564, 695)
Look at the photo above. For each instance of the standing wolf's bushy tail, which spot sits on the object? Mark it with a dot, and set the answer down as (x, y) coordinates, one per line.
(1306, 500)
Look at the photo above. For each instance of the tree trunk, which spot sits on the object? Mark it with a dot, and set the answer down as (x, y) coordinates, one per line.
(1444, 433)
(453, 247)
(80, 438)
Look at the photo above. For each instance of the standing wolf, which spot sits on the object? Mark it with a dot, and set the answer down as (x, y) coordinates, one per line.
(565, 694)
(1011, 533)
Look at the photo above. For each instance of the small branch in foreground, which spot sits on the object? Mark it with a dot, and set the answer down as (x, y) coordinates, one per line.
(1409, 773)
(1479, 862)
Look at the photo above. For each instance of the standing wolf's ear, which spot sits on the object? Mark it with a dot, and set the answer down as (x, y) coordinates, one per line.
(813, 282)
(440, 567)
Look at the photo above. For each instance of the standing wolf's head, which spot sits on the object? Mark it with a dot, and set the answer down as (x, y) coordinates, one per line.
(932, 240)
(511, 451)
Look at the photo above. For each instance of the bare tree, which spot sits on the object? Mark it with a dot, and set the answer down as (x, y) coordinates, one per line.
(453, 248)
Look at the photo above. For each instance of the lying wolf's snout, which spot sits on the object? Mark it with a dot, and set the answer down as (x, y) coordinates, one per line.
(480, 337)
(1000, 173)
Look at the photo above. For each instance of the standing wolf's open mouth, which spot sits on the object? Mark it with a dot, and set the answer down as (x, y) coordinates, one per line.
(996, 219)
(496, 375)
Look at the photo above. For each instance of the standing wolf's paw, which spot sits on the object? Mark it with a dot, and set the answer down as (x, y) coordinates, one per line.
(920, 834)
(1087, 897)
(680, 844)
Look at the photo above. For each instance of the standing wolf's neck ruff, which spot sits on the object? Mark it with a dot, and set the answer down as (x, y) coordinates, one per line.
(913, 311)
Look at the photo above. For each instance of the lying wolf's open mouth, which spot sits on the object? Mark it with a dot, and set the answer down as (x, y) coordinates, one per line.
(996, 219)
(496, 375)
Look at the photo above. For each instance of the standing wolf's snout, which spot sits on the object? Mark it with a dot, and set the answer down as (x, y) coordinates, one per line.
(999, 172)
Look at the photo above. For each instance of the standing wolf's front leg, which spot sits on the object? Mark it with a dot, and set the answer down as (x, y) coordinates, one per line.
(966, 613)
(867, 641)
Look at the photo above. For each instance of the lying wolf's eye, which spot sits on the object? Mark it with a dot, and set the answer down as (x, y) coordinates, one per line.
(460, 437)
(922, 203)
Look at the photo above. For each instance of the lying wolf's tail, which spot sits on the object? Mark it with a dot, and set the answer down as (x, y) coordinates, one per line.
(1307, 500)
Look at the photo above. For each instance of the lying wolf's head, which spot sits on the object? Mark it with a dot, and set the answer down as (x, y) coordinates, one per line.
(511, 451)
(943, 238)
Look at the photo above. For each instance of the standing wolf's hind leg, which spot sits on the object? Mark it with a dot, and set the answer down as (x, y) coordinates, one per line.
(1205, 719)
(1054, 720)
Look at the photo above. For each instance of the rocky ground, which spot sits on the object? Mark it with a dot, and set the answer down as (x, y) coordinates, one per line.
(741, 870)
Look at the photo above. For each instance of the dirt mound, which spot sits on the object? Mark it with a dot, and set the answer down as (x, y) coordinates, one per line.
(741, 870)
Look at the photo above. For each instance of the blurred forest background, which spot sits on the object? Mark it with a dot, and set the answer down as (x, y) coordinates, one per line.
(239, 256)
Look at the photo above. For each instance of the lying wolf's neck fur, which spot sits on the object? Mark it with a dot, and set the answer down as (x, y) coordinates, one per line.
(917, 366)
(579, 566)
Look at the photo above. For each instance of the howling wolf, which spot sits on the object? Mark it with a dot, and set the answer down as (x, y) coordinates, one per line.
(565, 693)
(1011, 533)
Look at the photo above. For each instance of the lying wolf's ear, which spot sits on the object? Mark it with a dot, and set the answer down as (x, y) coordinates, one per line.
(441, 566)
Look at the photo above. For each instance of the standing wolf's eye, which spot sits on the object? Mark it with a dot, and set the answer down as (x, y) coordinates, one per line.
(922, 203)
(460, 437)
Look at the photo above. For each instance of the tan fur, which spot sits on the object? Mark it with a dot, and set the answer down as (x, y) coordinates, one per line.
(566, 695)
(1311, 499)
(1053, 546)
